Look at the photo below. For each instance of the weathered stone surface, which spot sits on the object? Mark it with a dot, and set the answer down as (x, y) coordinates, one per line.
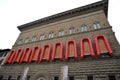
(99, 67)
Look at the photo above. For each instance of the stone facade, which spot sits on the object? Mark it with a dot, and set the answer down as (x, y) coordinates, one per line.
(98, 68)
(3, 55)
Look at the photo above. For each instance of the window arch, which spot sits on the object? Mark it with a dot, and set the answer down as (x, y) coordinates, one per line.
(83, 28)
(102, 45)
(57, 51)
(61, 33)
(71, 49)
(34, 38)
(96, 25)
(71, 30)
(26, 40)
(18, 55)
(26, 55)
(42, 36)
(51, 35)
(35, 54)
(45, 54)
(10, 57)
(86, 47)
(20, 41)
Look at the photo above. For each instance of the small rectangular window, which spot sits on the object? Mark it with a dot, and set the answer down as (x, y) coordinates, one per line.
(28, 77)
(5, 54)
(56, 78)
(18, 78)
(9, 78)
(71, 78)
(1, 77)
(89, 77)
(111, 77)
(0, 61)
(1, 54)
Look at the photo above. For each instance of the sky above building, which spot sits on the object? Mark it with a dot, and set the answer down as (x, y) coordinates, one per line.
(17, 12)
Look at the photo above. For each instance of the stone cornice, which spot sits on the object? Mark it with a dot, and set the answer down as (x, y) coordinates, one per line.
(4, 50)
(101, 5)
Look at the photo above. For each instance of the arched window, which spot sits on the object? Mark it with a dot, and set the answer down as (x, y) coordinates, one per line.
(45, 55)
(51, 35)
(83, 28)
(20, 41)
(71, 49)
(102, 45)
(35, 54)
(61, 33)
(57, 51)
(34, 38)
(10, 57)
(96, 25)
(18, 55)
(86, 48)
(26, 55)
(71, 30)
(42, 37)
(26, 40)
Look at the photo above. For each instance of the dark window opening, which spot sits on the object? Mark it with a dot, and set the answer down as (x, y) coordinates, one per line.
(9, 78)
(105, 54)
(0, 61)
(56, 78)
(89, 77)
(1, 77)
(87, 55)
(18, 78)
(111, 77)
(71, 78)
(56, 59)
(71, 58)
(1, 54)
(5, 54)
(28, 77)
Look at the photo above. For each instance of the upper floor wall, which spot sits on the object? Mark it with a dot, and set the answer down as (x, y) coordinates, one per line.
(78, 24)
